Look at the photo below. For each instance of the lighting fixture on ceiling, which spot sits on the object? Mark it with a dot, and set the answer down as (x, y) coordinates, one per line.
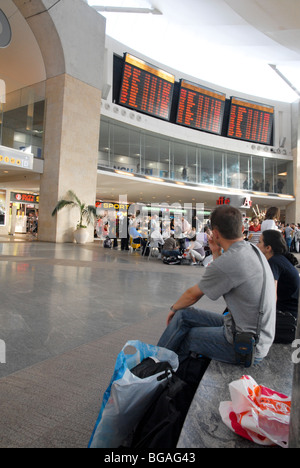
(284, 78)
(109, 9)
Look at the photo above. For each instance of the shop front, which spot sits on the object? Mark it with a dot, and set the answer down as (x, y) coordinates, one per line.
(24, 212)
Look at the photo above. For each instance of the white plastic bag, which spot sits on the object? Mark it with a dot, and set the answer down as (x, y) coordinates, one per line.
(128, 396)
(257, 413)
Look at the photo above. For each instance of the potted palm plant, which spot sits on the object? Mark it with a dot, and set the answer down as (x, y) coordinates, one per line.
(87, 215)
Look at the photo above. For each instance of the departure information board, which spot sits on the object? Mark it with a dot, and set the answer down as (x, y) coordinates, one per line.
(146, 88)
(200, 107)
(250, 121)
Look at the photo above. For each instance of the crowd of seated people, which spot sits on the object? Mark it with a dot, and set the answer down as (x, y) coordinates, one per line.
(174, 239)
(167, 238)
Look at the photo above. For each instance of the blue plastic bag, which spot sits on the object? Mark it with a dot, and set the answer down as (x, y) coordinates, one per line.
(127, 396)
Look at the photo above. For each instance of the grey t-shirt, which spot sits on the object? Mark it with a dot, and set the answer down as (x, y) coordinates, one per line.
(237, 275)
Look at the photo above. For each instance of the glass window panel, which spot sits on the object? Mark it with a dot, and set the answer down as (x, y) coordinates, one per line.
(270, 174)
(258, 174)
(119, 143)
(191, 163)
(206, 175)
(104, 144)
(134, 150)
(23, 126)
(151, 154)
(289, 189)
(282, 180)
(245, 172)
(164, 156)
(180, 161)
(233, 171)
(218, 169)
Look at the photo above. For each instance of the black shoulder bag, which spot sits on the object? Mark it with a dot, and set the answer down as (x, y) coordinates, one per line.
(245, 343)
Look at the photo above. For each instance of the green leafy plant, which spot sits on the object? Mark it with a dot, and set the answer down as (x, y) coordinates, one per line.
(87, 212)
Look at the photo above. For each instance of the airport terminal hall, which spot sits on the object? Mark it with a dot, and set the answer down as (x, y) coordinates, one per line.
(149, 226)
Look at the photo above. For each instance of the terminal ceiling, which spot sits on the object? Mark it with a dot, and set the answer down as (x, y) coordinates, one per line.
(263, 31)
(227, 42)
(255, 33)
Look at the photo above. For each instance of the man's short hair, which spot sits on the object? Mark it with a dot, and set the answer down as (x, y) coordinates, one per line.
(228, 220)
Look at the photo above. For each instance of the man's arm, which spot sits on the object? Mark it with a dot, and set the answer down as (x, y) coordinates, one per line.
(188, 298)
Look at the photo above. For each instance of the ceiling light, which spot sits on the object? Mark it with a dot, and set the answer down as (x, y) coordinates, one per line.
(284, 78)
(109, 9)
(124, 173)
(154, 178)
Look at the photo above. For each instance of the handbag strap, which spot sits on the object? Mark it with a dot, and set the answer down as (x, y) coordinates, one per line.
(261, 305)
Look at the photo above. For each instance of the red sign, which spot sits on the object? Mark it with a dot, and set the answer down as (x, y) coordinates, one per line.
(223, 201)
(24, 198)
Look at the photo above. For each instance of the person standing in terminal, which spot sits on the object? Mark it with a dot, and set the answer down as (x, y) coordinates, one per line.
(272, 216)
(254, 231)
(288, 232)
(230, 275)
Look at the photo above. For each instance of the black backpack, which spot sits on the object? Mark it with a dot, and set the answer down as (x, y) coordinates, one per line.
(161, 425)
(107, 243)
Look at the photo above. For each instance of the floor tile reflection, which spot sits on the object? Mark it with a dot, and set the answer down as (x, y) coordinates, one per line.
(56, 297)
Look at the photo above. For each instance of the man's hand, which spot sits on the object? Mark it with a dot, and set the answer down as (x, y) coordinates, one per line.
(215, 248)
(189, 298)
(170, 316)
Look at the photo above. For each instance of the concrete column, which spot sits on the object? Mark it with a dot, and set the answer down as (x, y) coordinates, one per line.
(72, 125)
(293, 209)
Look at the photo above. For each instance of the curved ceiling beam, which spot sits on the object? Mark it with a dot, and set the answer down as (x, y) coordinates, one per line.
(68, 45)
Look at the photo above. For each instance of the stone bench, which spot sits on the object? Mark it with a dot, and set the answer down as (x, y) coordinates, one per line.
(203, 427)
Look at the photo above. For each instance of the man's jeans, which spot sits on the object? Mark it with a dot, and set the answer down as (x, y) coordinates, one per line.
(198, 331)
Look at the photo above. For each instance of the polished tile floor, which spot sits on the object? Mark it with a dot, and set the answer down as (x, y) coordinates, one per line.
(56, 297)
(66, 311)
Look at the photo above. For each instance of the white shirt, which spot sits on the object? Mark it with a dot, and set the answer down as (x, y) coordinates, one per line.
(268, 224)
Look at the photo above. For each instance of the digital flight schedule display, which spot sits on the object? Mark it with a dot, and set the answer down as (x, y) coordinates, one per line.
(250, 121)
(146, 88)
(200, 107)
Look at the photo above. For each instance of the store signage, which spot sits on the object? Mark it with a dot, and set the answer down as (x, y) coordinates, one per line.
(247, 202)
(16, 197)
(112, 206)
(16, 158)
(5, 31)
(223, 201)
(237, 201)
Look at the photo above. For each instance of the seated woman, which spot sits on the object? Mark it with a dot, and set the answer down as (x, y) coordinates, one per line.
(273, 246)
(196, 251)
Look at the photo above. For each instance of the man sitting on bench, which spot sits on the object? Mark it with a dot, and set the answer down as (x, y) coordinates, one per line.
(236, 274)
